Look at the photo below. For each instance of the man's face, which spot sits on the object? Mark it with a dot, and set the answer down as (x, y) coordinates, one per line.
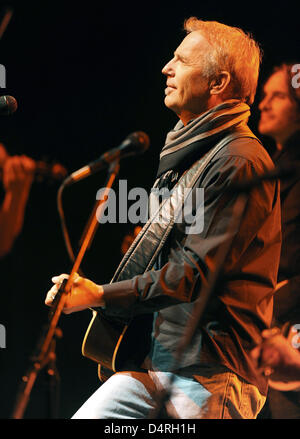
(187, 92)
(280, 117)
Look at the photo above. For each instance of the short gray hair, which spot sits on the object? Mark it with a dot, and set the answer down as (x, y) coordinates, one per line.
(233, 50)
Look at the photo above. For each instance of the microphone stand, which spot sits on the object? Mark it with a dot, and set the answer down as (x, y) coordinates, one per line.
(46, 346)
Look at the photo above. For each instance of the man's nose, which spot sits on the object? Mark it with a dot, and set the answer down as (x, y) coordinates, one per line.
(264, 103)
(168, 68)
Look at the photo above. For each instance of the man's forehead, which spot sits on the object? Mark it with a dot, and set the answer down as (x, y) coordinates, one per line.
(277, 81)
(194, 43)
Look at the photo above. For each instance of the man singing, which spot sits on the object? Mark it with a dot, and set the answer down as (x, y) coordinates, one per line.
(210, 83)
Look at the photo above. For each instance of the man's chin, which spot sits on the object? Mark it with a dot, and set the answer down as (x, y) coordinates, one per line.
(171, 104)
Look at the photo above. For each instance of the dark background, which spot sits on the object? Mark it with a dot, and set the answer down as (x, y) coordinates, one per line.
(85, 76)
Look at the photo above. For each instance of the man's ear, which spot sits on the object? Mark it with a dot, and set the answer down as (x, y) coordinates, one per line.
(219, 84)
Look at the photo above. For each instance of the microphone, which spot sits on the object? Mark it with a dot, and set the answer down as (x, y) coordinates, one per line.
(8, 105)
(135, 143)
(45, 171)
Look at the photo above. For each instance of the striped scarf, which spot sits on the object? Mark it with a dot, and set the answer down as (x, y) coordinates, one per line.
(185, 143)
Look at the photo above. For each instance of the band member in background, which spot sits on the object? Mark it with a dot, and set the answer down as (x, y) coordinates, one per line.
(280, 120)
(17, 177)
(210, 84)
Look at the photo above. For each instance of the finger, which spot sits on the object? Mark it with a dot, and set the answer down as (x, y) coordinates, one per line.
(76, 278)
(268, 371)
(16, 166)
(16, 170)
(260, 356)
(23, 165)
(256, 356)
(255, 353)
(9, 174)
(59, 279)
(27, 163)
(54, 289)
(51, 295)
(267, 333)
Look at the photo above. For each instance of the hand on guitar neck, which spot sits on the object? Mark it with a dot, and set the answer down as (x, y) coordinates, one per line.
(83, 294)
(278, 359)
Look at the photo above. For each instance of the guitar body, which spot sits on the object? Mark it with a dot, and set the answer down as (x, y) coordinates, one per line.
(115, 346)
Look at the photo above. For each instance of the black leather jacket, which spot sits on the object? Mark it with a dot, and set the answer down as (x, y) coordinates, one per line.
(242, 305)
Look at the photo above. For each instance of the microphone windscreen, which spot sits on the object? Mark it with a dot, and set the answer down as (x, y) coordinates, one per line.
(139, 141)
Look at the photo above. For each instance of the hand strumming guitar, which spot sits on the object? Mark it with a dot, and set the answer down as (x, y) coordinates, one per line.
(83, 294)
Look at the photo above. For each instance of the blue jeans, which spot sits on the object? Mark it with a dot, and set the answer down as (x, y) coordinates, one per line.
(215, 393)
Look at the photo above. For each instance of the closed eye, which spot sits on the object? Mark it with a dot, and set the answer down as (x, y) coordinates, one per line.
(180, 58)
(280, 95)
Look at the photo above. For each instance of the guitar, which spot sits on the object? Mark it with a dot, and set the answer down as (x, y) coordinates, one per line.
(116, 346)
